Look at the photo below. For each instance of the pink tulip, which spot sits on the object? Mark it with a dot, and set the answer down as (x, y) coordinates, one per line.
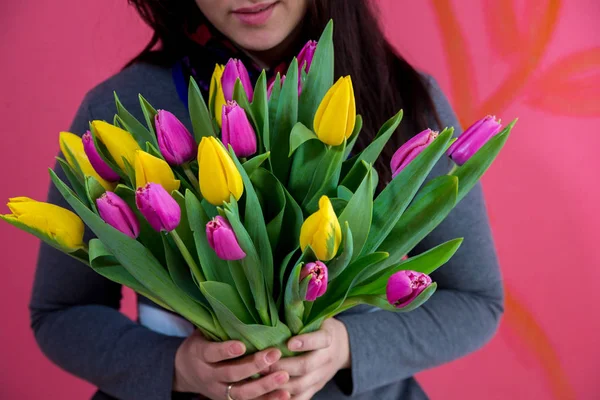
(158, 207)
(306, 55)
(473, 139)
(411, 149)
(115, 212)
(176, 143)
(235, 70)
(222, 240)
(237, 130)
(404, 286)
(100, 166)
(317, 286)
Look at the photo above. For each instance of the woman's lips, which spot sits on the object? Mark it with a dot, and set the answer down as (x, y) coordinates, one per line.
(255, 15)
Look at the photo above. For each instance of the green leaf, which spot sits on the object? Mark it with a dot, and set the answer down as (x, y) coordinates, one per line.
(300, 134)
(260, 110)
(338, 264)
(183, 229)
(344, 193)
(319, 79)
(325, 178)
(242, 285)
(425, 263)
(284, 267)
(305, 162)
(140, 263)
(105, 264)
(252, 164)
(273, 106)
(199, 115)
(228, 297)
(358, 213)
(369, 154)
(294, 303)
(140, 133)
(338, 205)
(287, 116)
(76, 185)
(273, 202)
(256, 337)
(94, 191)
(130, 170)
(470, 173)
(422, 217)
(395, 198)
(180, 272)
(149, 115)
(352, 139)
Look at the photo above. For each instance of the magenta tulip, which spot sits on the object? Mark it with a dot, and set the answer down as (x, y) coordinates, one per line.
(115, 212)
(473, 139)
(306, 55)
(100, 166)
(237, 130)
(235, 70)
(411, 149)
(158, 207)
(176, 143)
(222, 240)
(317, 286)
(404, 286)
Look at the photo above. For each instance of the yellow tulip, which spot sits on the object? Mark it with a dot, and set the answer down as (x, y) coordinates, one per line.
(71, 145)
(322, 231)
(53, 224)
(217, 89)
(119, 142)
(218, 175)
(336, 115)
(150, 169)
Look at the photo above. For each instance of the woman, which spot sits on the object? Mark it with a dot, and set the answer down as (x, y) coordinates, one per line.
(363, 354)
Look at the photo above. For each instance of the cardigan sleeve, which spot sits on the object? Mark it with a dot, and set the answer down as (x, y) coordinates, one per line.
(77, 324)
(459, 318)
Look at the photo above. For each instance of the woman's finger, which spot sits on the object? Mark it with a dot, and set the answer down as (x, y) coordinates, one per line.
(252, 389)
(276, 395)
(212, 352)
(303, 364)
(310, 341)
(238, 370)
(299, 385)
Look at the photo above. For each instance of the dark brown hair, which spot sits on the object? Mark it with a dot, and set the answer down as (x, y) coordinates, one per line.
(383, 81)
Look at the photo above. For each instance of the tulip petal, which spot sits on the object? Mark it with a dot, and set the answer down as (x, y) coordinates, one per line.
(176, 143)
(351, 110)
(72, 148)
(325, 104)
(119, 142)
(332, 126)
(150, 169)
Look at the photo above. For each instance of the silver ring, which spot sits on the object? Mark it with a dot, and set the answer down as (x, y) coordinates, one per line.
(229, 392)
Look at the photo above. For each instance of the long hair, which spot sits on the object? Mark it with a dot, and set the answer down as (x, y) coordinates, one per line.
(383, 80)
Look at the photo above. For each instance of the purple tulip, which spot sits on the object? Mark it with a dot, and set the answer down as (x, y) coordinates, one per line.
(115, 212)
(306, 55)
(222, 240)
(100, 166)
(411, 149)
(235, 70)
(404, 286)
(237, 131)
(317, 286)
(158, 207)
(473, 139)
(176, 143)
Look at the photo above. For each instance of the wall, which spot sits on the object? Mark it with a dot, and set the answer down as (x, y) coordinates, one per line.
(538, 60)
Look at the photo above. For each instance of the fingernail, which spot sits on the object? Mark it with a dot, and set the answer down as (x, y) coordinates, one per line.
(236, 348)
(281, 378)
(273, 356)
(295, 345)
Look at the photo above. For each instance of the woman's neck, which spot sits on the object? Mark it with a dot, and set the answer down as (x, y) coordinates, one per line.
(284, 50)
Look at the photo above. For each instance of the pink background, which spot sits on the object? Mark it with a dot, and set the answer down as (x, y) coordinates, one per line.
(535, 59)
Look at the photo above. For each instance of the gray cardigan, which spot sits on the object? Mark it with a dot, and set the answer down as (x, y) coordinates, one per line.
(75, 317)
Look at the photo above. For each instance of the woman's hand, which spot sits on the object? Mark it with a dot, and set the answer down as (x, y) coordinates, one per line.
(328, 352)
(208, 368)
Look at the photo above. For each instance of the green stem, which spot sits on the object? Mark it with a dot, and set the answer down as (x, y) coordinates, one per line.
(191, 177)
(188, 257)
(453, 170)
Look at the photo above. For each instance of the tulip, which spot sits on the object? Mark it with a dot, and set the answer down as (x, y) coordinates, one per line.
(101, 167)
(222, 240)
(404, 286)
(115, 212)
(237, 131)
(216, 90)
(72, 148)
(150, 169)
(317, 286)
(335, 118)
(56, 225)
(176, 143)
(272, 84)
(411, 149)
(235, 70)
(473, 139)
(119, 143)
(322, 231)
(218, 175)
(158, 207)
(306, 55)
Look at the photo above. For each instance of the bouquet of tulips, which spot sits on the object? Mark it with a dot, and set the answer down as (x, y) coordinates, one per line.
(263, 222)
